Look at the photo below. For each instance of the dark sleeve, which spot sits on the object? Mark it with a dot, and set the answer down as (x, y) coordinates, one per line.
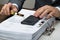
(56, 3)
(18, 2)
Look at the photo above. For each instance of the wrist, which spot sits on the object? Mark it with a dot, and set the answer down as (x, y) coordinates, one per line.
(15, 4)
(59, 11)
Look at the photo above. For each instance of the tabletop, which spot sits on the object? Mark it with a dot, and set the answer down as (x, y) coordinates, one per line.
(55, 35)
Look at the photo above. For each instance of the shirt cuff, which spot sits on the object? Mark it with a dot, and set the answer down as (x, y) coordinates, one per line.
(15, 4)
(58, 8)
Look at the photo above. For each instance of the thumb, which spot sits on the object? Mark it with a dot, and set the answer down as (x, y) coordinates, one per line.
(14, 10)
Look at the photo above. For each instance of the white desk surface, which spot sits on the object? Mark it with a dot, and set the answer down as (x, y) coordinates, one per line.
(55, 35)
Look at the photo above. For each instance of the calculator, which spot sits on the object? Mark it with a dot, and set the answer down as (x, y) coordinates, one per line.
(31, 20)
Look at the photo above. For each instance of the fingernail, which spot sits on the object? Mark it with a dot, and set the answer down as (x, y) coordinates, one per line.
(35, 15)
(41, 17)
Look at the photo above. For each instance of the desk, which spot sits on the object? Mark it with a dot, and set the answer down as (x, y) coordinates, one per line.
(55, 35)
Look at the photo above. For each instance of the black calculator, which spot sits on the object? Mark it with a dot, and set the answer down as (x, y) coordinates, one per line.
(31, 20)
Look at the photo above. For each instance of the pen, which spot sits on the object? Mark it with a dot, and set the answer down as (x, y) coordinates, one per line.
(19, 14)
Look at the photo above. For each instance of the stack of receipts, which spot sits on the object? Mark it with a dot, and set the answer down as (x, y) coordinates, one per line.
(12, 29)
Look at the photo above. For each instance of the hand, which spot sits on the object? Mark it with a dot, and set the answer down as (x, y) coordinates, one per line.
(7, 8)
(47, 10)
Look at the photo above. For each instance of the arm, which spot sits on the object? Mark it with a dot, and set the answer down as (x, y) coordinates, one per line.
(9, 7)
(18, 2)
(57, 5)
(48, 10)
